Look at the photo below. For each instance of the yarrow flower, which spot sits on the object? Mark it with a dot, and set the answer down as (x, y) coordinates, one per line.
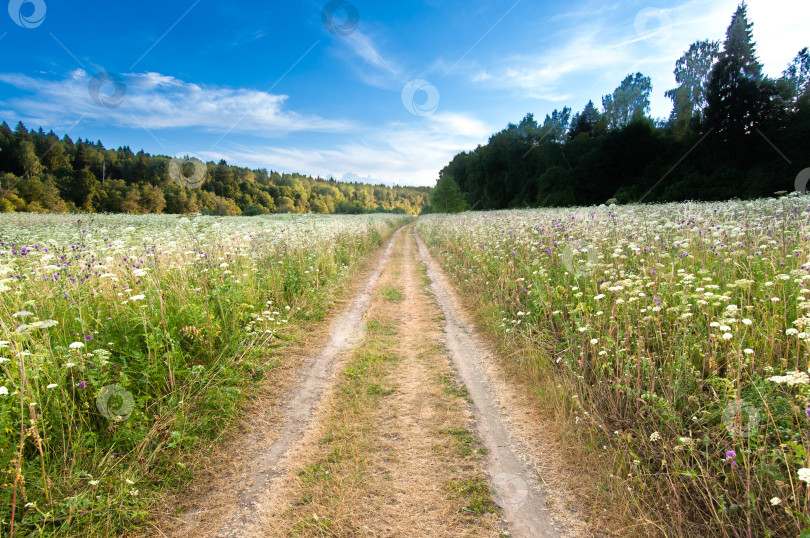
(76, 345)
(791, 378)
(775, 501)
(3, 391)
(804, 474)
(655, 436)
(52, 386)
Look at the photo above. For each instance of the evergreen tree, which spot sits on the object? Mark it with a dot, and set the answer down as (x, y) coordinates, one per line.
(738, 97)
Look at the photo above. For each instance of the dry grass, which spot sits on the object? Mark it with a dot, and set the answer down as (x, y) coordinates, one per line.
(261, 417)
(394, 455)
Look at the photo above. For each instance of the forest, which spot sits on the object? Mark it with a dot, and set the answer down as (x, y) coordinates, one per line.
(40, 172)
(733, 133)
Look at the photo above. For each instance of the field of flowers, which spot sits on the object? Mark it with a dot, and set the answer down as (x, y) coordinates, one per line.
(129, 342)
(675, 338)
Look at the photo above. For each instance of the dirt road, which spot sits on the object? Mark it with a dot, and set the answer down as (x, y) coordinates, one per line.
(398, 425)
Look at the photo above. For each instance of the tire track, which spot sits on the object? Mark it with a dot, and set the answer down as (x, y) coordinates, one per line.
(268, 464)
(518, 491)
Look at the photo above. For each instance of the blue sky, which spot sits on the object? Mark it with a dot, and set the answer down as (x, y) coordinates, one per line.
(387, 96)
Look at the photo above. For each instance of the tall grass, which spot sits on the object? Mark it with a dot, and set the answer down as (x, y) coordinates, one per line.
(677, 335)
(127, 343)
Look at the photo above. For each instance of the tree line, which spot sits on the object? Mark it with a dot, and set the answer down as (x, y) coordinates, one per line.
(733, 132)
(41, 172)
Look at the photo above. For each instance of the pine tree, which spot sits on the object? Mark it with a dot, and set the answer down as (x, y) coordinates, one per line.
(738, 96)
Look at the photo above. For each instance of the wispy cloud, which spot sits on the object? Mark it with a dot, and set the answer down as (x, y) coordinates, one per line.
(364, 47)
(584, 13)
(156, 101)
(394, 153)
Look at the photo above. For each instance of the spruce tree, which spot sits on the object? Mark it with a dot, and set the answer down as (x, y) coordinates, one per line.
(738, 95)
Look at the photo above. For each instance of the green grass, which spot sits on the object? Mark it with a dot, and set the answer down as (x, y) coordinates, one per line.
(392, 294)
(187, 316)
(649, 335)
(476, 495)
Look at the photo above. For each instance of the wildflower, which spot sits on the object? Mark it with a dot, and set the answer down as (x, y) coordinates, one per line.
(3, 391)
(52, 386)
(791, 331)
(807, 412)
(775, 501)
(655, 436)
(791, 378)
(3, 359)
(81, 385)
(804, 474)
(583, 329)
(137, 298)
(728, 336)
(76, 345)
(93, 483)
(88, 337)
(594, 341)
(746, 321)
(70, 364)
(22, 314)
(748, 351)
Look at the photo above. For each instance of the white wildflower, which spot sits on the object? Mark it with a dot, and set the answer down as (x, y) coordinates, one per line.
(791, 378)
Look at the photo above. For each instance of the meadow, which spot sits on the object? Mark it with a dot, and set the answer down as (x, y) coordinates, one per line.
(129, 343)
(668, 345)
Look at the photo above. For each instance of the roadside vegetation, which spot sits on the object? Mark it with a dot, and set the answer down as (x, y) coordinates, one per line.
(668, 344)
(129, 344)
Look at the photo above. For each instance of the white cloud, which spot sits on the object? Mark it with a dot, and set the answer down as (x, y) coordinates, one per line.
(591, 59)
(156, 101)
(406, 154)
(363, 47)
